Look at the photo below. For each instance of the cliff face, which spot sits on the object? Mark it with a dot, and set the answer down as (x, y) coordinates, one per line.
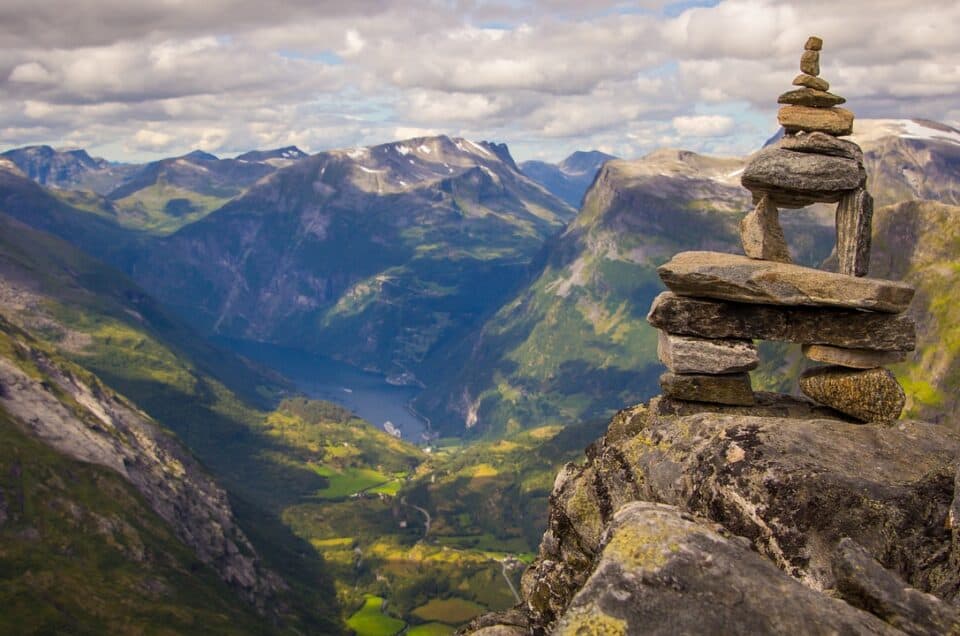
(748, 520)
(71, 411)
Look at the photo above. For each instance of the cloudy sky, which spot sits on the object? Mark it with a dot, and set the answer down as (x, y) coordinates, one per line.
(137, 79)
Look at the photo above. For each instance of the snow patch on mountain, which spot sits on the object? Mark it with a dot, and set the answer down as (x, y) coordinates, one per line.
(871, 130)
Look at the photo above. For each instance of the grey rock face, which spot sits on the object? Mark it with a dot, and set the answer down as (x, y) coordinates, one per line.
(797, 179)
(838, 327)
(822, 144)
(871, 395)
(663, 571)
(761, 234)
(687, 354)
(765, 405)
(810, 97)
(854, 232)
(734, 388)
(811, 81)
(853, 358)
(742, 279)
(794, 487)
(107, 431)
(864, 583)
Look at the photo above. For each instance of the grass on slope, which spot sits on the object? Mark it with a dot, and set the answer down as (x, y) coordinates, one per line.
(82, 553)
(162, 208)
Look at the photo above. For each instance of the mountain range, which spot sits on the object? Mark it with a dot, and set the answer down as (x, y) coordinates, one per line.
(436, 261)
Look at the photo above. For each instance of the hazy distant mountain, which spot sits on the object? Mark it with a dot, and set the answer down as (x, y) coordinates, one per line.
(164, 195)
(277, 156)
(570, 178)
(373, 255)
(73, 169)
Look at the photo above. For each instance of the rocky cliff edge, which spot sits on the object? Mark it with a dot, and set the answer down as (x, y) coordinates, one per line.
(773, 518)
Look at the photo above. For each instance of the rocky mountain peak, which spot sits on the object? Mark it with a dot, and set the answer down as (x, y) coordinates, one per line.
(199, 155)
(287, 153)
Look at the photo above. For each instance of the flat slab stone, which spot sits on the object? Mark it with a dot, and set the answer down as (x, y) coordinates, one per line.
(852, 358)
(765, 404)
(811, 97)
(734, 388)
(796, 179)
(821, 144)
(805, 325)
(689, 354)
(743, 279)
(811, 81)
(834, 121)
(761, 234)
(872, 395)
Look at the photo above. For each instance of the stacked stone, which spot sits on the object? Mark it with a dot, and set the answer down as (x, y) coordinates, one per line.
(719, 303)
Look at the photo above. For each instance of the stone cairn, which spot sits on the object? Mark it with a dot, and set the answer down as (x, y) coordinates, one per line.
(719, 303)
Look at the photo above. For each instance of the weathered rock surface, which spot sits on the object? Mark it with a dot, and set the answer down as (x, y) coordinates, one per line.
(793, 487)
(797, 179)
(761, 234)
(813, 43)
(510, 622)
(731, 388)
(742, 279)
(822, 144)
(811, 81)
(864, 583)
(765, 404)
(835, 121)
(853, 358)
(810, 97)
(663, 571)
(871, 395)
(687, 354)
(838, 327)
(854, 232)
(810, 62)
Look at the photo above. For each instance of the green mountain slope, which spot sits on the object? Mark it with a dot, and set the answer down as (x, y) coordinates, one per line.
(373, 255)
(163, 196)
(919, 242)
(101, 321)
(81, 552)
(575, 344)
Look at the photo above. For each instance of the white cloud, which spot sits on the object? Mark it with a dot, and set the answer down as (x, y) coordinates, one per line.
(151, 140)
(547, 76)
(31, 73)
(703, 125)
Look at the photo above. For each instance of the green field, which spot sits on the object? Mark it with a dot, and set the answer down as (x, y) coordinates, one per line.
(454, 611)
(348, 481)
(369, 620)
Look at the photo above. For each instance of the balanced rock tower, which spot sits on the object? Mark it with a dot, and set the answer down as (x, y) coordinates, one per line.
(719, 303)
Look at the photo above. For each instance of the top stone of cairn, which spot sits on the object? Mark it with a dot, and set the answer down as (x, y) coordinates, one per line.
(811, 108)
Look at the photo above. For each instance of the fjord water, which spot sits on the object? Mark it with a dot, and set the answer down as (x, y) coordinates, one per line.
(366, 394)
